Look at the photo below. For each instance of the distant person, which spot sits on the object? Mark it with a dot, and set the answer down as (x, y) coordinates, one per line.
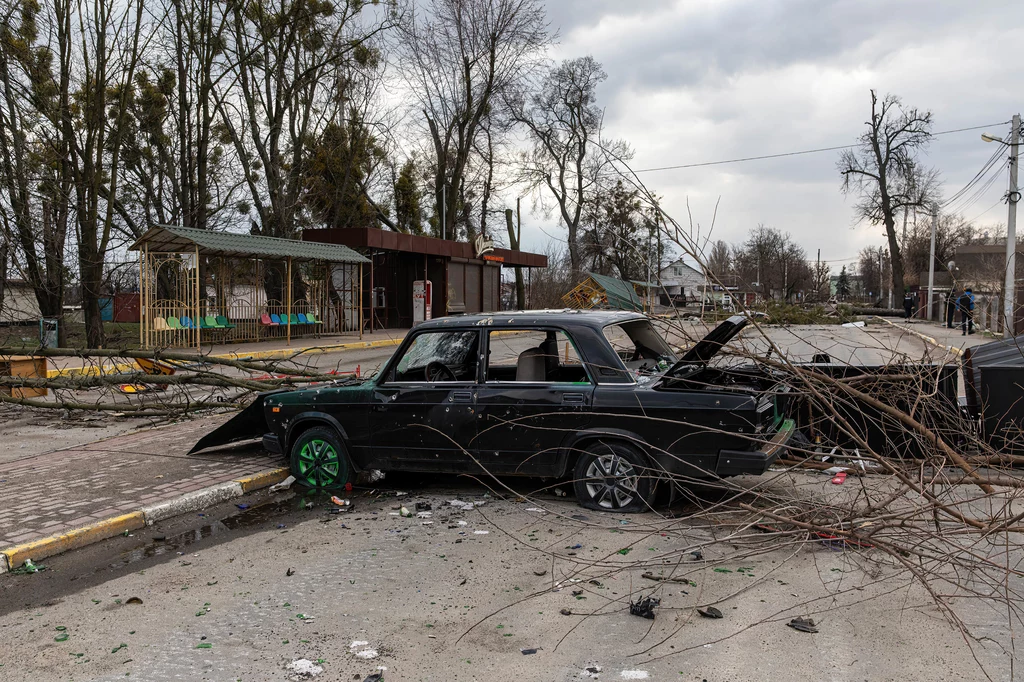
(908, 305)
(966, 305)
(951, 303)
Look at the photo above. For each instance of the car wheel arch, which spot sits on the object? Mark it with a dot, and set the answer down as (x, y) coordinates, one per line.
(579, 441)
(305, 421)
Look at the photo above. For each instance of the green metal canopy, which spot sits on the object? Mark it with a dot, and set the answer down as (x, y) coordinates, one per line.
(168, 239)
(620, 294)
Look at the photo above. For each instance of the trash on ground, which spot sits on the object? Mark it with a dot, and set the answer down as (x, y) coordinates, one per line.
(423, 506)
(404, 513)
(528, 652)
(243, 506)
(803, 624)
(839, 478)
(304, 667)
(859, 323)
(710, 612)
(697, 555)
(133, 600)
(29, 567)
(534, 509)
(367, 653)
(540, 573)
(566, 612)
(481, 532)
(376, 677)
(559, 492)
(634, 674)
(283, 485)
(340, 501)
(644, 607)
(290, 572)
(592, 671)
(356, 644)
(120, 646)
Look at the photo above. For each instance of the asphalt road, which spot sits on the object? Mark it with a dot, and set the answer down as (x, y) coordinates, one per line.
(465, 595)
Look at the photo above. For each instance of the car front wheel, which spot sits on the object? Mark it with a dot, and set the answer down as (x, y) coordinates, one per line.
(613, 477)
(319, 459)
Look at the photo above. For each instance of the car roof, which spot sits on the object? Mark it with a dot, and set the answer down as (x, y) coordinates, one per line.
(568, 317)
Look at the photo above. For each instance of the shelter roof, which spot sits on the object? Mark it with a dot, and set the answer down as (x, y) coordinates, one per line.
(171, 239)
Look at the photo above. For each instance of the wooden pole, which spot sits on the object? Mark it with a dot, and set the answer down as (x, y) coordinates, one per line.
(289, 306)
(358, 296)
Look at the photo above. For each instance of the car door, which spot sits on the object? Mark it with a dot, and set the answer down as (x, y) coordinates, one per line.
(426, 423)
(535, 392)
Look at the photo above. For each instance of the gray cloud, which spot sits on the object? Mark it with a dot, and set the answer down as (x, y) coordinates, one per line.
(698, 81)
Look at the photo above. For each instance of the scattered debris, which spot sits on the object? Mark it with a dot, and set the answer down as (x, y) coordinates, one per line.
(559, 492)
(566, 612)
(534, 509)
(697, 555)
(356, 644)
(341, 502)
(591, 671)
(367, 653)
(242, 505)
(540, 573)
(634, 674)
(283, 485)
(644, 607)
(120, 646)
(803, 624)
(528, 652)
(423, 506)
(28, 567)
(481, 532)
(710, 612)
(839, 478)
(404, 513)
(858, 323)
(305, 668)
(290, 572)
(133, 600)
(596, 583)
(376, 677)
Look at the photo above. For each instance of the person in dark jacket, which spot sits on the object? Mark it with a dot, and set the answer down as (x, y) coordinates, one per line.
(966, 305)
(908, 305)
(951, 304)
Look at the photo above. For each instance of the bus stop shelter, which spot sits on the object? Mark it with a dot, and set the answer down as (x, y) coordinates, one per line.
(201, 286)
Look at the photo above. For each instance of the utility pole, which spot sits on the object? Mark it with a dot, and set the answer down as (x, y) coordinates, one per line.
(817, 274)
(444, 210)
(931, 259)
(1010, 298)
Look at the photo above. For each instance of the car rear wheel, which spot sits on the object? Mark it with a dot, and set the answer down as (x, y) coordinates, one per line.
(613, 477)
(319, 459)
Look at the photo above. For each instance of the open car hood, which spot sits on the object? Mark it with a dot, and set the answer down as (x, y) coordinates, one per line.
(706, 348)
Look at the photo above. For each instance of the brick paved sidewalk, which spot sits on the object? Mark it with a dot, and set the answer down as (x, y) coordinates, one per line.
(58, 491)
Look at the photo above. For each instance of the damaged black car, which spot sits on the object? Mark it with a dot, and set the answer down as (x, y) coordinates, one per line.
(598, 397)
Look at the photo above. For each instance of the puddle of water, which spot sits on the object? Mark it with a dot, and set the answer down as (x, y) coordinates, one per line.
(253, 517)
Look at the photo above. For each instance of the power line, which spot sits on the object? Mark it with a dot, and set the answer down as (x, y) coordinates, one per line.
(797, 153)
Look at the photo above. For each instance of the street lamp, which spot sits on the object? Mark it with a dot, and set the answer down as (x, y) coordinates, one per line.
(1012, 197)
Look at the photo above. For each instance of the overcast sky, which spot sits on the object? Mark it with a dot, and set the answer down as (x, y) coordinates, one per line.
(692, 81)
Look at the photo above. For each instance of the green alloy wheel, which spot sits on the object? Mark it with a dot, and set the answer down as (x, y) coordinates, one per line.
(319, 459)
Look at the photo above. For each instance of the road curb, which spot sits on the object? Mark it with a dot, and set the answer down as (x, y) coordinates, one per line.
(12, 557)
(276, 354)
(924, 337)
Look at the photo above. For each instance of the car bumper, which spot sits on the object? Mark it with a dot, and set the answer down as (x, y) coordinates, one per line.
(271, 443)
(738, 462)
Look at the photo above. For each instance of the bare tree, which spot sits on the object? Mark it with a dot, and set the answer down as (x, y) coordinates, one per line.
(771, 258)
(884, 173)
(461, 58)
(568, 155)
(719, 259)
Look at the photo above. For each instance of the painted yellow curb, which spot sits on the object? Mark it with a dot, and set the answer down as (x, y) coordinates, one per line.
(80, 537)
(264, 479)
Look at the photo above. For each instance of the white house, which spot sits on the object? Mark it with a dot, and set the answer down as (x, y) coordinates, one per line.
(19, 303)
(680, 280)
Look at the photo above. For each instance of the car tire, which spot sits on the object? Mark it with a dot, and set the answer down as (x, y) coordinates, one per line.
(613, 476)
(319, 459)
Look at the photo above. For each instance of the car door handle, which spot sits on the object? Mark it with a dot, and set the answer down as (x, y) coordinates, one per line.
(462, 396)
(573, 399)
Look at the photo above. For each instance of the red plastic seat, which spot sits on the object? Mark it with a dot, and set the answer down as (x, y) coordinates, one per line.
(265, 320)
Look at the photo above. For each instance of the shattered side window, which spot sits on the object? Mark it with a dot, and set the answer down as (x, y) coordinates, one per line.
(456, 350)
(642, 349)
